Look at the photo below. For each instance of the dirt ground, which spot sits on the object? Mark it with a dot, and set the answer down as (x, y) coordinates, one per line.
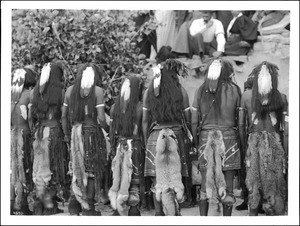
(106, 210)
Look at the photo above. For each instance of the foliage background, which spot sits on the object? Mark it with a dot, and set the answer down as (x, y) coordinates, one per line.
(107, 38)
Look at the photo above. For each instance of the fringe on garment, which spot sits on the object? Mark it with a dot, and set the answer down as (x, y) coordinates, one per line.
(21, 166)
(87, 140)
(169, 187)
(265, 176)
(214, 154)
(122, 171)
(50, 161)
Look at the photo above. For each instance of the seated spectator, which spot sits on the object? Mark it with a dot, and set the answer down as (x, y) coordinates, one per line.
(208, 35)
(147, 40)
(241, 34)
(182, 45)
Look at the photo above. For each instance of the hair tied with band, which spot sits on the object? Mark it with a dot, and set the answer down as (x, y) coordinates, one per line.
(157, 79)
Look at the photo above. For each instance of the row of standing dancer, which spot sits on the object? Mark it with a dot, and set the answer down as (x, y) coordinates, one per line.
(59, 148)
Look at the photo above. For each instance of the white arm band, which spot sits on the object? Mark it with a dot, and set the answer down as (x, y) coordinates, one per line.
(100, 105)
(187, 109)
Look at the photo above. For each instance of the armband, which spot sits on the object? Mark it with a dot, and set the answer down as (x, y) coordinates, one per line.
(100, 105)
(241, 109)
(187, 109)
(66, 105)
(194, 109)
(145, 109)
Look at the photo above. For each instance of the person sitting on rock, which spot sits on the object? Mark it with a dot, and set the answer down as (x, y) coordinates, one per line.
(241, 34)
(208, 35)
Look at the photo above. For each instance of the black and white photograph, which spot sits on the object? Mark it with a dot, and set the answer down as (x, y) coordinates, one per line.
(150, 109)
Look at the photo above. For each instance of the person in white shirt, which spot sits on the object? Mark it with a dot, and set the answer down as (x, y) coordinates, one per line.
(208, 35)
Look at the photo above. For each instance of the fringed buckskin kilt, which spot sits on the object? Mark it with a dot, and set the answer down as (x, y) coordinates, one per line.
(151, 151)
(21, 167)
(232, 151)
(88, 157)
(266, 172)
(50, 165)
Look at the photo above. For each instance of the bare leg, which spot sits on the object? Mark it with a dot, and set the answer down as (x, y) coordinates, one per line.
(203, 204)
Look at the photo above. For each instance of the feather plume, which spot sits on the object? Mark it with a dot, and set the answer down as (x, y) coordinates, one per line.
(264, 81)
(214, 72)
(157, 79)
(45, 75)
(88, 76)
(125, 95)
(18, 83)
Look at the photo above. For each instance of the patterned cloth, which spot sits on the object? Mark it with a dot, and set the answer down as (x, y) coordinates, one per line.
(232, 151)
(151, 151)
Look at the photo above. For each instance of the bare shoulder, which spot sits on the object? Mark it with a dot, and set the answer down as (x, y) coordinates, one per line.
(284, 98)
(184, 92)
(111, 112)
(99, 91)
(247, 95)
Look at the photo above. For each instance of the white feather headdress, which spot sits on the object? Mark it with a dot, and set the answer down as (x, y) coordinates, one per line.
(125, 90)
(125, 95)
(214, 70)
(264, 81)
(157, 79)
(18, 81)
(88, 77)
(45, 74)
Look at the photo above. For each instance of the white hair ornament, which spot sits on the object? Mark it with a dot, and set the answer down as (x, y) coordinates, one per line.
(157, 79)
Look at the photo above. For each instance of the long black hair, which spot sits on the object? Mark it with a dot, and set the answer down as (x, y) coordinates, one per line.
(123, 122)
(227, 73)
(275, 100)
(51, 96)
(168, 106)
(77, 102)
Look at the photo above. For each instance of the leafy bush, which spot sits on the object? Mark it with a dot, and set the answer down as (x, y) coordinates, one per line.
(107, 38)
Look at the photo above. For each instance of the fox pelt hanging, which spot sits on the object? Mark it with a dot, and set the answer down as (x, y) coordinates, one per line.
(266, 173)
(169, 187)
(17, 167)
(122, 170)
(214, 154)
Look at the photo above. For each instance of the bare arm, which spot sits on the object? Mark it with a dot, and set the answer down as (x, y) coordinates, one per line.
(187, 111)
(30, 121)
(242, 113)
(195, 119)
(64, 116)
(285, 124)
(138, 123)
(145, 118)
(100, 106)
